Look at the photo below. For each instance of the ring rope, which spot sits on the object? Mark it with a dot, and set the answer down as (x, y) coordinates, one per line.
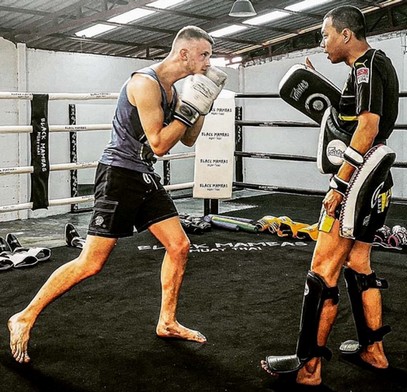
(285, 157)
(82, 165)
(291, 124)
(56, 128)
(60, 96)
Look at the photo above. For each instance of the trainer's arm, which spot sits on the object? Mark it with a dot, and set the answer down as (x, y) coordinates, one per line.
(362, 141)
(144, 93)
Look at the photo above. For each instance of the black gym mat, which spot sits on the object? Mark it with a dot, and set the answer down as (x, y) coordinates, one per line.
(242, 290)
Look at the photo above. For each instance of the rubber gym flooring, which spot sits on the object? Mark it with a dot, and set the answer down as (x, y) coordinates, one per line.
(242, 290)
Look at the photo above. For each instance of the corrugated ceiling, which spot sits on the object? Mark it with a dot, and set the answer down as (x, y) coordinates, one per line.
(52, 24)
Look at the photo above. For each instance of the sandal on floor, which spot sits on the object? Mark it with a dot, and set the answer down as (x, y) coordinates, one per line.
(5, 263)
(72, 237)
(41, 254)
(22, 260)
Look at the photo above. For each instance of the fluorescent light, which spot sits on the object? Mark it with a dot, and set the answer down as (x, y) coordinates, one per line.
(227, 30)
(130, 16)
(164, 3)
(303, 5)
(94, 30)
(266, 17)
(125, 18)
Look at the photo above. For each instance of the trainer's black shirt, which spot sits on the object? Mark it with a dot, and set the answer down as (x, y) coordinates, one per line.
(372, 86)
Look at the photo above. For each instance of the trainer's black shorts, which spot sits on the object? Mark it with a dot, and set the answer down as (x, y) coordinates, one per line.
(378, 212)
(125, 199)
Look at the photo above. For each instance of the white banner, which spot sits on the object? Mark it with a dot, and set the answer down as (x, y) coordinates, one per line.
(214, 152)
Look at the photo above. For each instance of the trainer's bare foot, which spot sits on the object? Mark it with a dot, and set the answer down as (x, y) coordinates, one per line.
(178, 331)
(374, 356)
(310, 373)
(19, 337)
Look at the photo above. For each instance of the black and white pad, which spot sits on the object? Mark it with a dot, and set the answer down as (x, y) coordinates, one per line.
(333, 142)
(308, 91)
(363, 191)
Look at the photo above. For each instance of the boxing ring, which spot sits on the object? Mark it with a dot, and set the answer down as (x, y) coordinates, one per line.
(210, 205)
(73, 166)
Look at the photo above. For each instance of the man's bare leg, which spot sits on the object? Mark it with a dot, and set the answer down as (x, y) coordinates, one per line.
(176, 243)
(91, 260)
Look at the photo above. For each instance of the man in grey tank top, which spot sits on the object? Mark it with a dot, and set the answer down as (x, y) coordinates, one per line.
(149, 120)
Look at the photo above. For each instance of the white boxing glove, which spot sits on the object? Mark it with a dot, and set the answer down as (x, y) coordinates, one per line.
(217, 76)
(198, 94)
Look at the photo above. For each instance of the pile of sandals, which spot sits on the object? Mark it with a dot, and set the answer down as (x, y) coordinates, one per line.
(13, 255)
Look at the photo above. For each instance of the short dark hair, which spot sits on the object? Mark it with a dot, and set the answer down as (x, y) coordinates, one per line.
(193, 32)
(348, 17)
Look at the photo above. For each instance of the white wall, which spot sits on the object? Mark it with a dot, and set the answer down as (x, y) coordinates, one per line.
(9, 115)
(297, 141)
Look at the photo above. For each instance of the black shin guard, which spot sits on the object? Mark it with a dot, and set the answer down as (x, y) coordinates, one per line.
(356, 283)
(315, 294)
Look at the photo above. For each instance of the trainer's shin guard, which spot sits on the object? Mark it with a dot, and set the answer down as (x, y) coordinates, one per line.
(315, 294)
(356, 284)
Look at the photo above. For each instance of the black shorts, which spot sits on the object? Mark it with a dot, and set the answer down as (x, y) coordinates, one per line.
(126, 199)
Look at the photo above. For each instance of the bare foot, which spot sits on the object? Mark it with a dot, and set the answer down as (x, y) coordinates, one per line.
(307, 375)
(19, 337)
(265, 367)
(178, 331)
(374, 356)
(310, 373)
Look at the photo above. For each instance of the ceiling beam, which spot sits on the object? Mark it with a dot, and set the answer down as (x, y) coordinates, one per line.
(79, 22)
(23, 11)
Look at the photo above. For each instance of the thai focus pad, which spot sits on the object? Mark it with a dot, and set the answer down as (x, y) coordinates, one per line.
(308, 91)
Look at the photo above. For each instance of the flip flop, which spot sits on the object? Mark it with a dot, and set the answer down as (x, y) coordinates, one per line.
(5, 263)
(4, 245)
(9, 259)
(22, 260)
(72, 237)
(40, 254)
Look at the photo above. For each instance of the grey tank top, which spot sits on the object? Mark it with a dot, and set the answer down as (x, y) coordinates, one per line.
(128, 146)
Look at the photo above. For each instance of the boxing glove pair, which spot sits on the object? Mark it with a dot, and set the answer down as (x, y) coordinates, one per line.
(198, 94)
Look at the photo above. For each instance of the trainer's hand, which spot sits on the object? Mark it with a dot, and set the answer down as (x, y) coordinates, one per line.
(309, 64)
(331, 202)
(198, 94)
